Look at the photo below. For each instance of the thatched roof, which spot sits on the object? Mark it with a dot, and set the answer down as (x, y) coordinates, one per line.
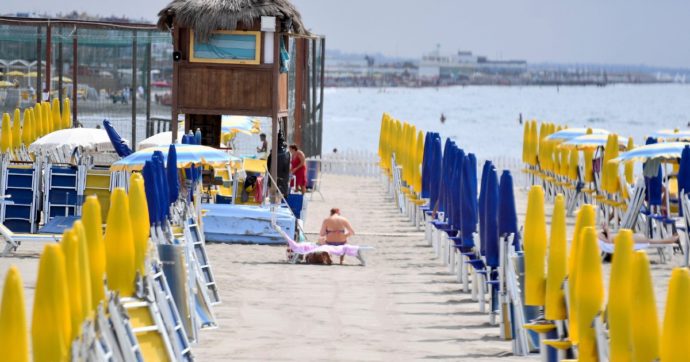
(205, 16)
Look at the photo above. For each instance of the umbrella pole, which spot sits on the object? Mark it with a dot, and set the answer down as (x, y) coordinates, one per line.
(666, 191)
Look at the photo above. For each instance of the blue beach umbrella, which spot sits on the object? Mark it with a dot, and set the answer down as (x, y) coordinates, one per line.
(427, 164)
(507, 214)
(491, 218)
(197, 137)
(118, 143)
(457, 189)
(482, 206)
(162, 181)
(435, 170)
(151, 192)
(684, 171)
(171, 172)
(653, 178)
(469, 201)
(447, 154)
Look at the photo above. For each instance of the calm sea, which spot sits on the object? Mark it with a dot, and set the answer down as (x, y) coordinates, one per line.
(484, 119)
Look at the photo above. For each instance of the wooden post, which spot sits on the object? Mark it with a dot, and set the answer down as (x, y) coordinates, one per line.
(49, 58)
(313, 84)
(319, 142)
(274, 116)
(75, 81)
(39, 71)
(133, 92)
(174, 111)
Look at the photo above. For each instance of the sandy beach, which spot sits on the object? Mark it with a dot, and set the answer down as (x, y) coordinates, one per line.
(402, 306)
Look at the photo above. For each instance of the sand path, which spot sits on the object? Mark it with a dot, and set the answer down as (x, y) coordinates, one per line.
(402, 306)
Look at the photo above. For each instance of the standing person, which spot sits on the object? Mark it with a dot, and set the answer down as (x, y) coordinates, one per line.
(335, 229)
(298, 167)
(263, 146)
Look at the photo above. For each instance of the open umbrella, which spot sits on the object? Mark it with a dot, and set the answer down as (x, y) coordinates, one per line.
(15, 73)
(6, 84)
(507, 214)
(160, 139)
(90, 139)
(653, 150)
(591, 141)
(118, 142)
(670, 135)
(243, 124)
(570, 133)
(187, 155)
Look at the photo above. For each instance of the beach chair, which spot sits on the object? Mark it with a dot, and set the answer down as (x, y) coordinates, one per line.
(19, 183)
(99, 183)
(13, 240)
(63, 190)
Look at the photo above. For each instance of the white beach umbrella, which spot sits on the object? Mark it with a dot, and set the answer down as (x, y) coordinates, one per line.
(160, 139)
(90, 139)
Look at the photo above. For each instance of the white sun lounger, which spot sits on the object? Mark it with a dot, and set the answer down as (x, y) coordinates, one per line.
(12, 240)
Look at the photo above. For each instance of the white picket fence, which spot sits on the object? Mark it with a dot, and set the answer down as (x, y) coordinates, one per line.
(361, 163)
(365, 163)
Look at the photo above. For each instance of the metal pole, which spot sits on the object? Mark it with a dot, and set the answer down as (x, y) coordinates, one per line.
(49, 58)
(75, 81)
(39, 71)
(59, 65)
(133, 92)
(148, 78)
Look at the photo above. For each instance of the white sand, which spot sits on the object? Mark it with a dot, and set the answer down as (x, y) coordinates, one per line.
(402, 306)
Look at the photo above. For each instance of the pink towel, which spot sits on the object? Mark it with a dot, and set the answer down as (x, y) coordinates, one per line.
(308, 248)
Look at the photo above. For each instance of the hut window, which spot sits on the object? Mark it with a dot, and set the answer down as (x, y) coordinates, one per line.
(227, 47)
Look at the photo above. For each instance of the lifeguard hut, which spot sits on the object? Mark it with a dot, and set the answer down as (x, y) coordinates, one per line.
(231, 58)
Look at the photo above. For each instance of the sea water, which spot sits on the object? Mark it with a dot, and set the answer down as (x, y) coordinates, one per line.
(485, 119)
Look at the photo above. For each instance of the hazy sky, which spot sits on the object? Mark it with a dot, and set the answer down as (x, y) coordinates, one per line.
(652, 32)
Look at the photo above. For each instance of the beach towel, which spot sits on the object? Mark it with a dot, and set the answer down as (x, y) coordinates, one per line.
(338, 250)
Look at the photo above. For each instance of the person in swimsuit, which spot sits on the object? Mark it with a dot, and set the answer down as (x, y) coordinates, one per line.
(335, 230)
(298, 167)
(607, 236)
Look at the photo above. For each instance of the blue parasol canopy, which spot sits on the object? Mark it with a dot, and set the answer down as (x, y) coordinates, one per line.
(118, 143)
(482, 206)
(469, 200)
(435, 169)
(491, 218)
(426, 164)
(151, 192)
(171, 173)
(187, 155)
(507, 214)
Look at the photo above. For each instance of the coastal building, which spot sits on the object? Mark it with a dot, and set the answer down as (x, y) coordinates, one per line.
(435, 67)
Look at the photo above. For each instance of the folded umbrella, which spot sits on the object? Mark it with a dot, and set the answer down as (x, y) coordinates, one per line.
(118, 143)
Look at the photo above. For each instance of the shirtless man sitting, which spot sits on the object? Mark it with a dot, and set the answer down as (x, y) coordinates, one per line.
(335, 230)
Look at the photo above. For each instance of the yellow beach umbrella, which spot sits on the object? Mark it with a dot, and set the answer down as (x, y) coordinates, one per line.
(534, 142)
(92, 222)
(140, 220)
(119, 245)
(590, 294)
(644, 321)
(585, 218)
(535, 248)
(70, 250)
(589, 158)
(14, 335)
(620, 296)
(38, 121)
(418, 163)
(573, 165)
(676, 331)
(47, 118)
(525, 142)
(50, 325)
(56, 115)
(6, 135)
(27, 129)
(381, 133)
(16, 129)
(84, 268)
(554, 307)
(15, 73)
(66, 114)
